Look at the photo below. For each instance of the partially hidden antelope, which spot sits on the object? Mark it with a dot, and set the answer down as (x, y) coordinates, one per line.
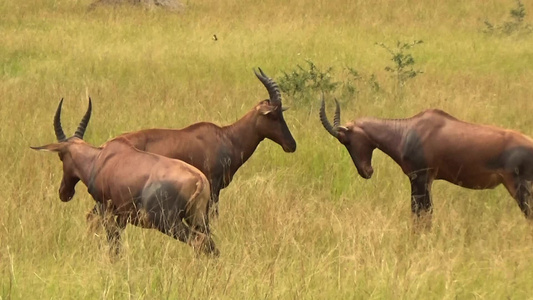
(136, 187)
(220, 151)
(435, 145)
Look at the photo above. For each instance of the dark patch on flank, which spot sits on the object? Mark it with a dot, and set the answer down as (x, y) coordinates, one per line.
(518, 160)
(161, 192)
(163, 204)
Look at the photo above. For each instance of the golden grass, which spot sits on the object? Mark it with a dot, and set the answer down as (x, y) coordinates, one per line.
(300, 225)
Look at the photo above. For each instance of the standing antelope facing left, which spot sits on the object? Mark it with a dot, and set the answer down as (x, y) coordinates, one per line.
(136, 187)
(434, 145)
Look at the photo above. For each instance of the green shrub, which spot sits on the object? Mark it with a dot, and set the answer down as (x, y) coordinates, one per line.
(304, 83)
(515, 25)
(403, 68)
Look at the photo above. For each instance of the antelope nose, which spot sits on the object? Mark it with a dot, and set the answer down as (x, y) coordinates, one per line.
(367, 173)
(290, 148)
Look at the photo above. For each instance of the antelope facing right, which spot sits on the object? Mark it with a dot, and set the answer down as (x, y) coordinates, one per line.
(434, 145)
(218, 151)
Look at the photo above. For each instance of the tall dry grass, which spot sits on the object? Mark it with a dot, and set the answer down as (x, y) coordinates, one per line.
(300, 225)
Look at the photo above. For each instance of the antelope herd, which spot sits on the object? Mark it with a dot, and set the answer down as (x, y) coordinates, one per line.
(170, 179)
(138, 187)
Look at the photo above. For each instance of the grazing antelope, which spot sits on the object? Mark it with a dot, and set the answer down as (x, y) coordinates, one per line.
(220, 151)
(435, 145)
(136, 187)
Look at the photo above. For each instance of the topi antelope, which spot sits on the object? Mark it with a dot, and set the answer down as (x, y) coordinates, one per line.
(136, 187)
(435, 145)
(220, 151)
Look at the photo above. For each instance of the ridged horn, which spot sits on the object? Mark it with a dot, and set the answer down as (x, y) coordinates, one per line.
(271, 86)
(332, 130)
(337, 117)
(60, 135)
(84, 122)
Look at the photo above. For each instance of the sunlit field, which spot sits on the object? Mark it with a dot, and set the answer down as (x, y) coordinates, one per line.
(291, 226)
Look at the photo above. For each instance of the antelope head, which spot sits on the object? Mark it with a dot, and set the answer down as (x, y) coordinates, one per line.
(64, 147)
(353, 138)
(270, 122)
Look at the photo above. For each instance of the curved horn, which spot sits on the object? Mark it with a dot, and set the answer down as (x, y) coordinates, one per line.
(60, 135)
(332, 130)
(337, 117)
(271, 86)
(83, 124)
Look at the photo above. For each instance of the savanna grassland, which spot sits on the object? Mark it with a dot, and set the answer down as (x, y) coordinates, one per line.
(291, 226)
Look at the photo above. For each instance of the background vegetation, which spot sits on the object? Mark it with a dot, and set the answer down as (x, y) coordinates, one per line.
(296, 226)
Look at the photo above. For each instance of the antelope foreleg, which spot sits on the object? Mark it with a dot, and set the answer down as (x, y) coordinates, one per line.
(94, 218)
(421, 204)
(213, 202)
(523, 197)
(113, 226)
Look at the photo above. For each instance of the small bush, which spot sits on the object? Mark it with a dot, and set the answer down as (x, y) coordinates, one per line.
(305, 82)
(515, 25)
(302, 81)
(403, 68)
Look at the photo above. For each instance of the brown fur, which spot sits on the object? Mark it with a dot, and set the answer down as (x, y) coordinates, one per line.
(435, 145)
(220, 151)
(136, 187)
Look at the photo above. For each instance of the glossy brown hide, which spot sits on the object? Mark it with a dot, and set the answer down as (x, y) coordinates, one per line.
(220, 151)
(217, 151)
(434, 145)
(136, 187)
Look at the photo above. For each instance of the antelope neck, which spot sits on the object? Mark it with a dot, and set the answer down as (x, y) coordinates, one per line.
(84, 158)
(386, 134)
(243, 136)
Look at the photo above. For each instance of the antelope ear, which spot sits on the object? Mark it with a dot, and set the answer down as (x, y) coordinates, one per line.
(57, 147)
(265, 110)
(342, 128)
(284, 108)
(341, 133)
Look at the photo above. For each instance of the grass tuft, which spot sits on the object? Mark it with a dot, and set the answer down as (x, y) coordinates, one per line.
(300, 225)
